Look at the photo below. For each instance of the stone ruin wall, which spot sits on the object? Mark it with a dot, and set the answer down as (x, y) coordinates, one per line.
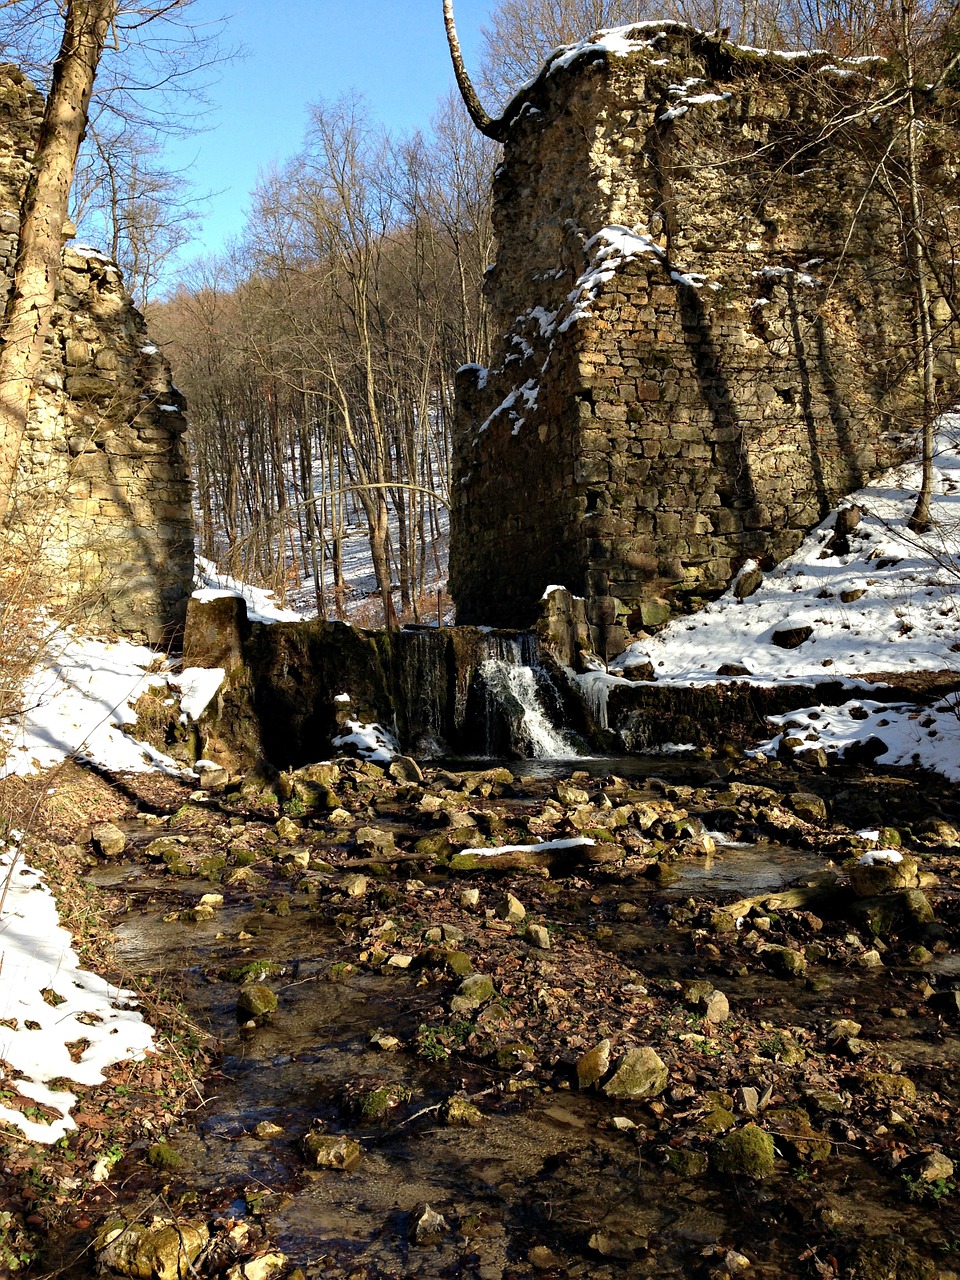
(103, 500)
(699, 383)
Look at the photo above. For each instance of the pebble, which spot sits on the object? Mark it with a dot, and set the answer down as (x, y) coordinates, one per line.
(470, 899)
(538, 936)
(511, 910)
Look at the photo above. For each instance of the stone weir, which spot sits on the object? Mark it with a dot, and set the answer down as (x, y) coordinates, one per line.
(291, 689)
(707, 328)
(102, 501)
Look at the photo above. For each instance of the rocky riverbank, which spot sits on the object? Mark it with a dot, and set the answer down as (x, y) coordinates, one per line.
(488, 1023)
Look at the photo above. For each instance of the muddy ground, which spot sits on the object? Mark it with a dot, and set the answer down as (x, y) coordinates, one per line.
(705, 1048)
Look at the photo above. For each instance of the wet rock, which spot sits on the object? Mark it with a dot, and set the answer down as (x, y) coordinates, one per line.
(458, 1113)
(884, 871)
(108, 840)
(472, 993)
(265, 1267)
(796, 1136)
(807, 806)
(426, 1225)
(871, 959)
(947, 1004)
(266, 1130)
(330, 1151)
(214, 900)
(254, 1002)
(163, 1156)
(510, 909)
(791, 637)
(374, 842)
(687, 1162)
(889, 914)
(538, 936)
(159, 1250)
(593, 1065)
(784, 961)
(747, 1152)
(640, 1073)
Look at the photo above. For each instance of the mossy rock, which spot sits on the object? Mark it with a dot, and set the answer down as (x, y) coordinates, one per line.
(747, 1152)
(687, 1163)
(717, 1120)
(887, 1086)
(378, 1102)
(796, 1136)
(252, 971)
(433, 845)
(162, 1156)
(255, 1002)
(158, 1250)
(458, 1113)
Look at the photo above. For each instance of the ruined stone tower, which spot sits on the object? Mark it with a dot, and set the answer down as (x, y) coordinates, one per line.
(102, 501)
(707, 329)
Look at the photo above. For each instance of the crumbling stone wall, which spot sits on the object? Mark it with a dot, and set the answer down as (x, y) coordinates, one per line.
(707, 326)
(102, 501)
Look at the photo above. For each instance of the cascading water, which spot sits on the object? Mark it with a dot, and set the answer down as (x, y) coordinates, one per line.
(469, 691)
(513, 695)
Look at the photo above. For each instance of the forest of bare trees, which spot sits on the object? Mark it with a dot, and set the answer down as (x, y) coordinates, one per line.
(318, 354)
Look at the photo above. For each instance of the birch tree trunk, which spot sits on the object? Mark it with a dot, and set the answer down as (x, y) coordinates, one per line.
(43, 213)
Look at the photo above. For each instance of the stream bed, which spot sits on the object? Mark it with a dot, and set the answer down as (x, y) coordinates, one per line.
(366, 938)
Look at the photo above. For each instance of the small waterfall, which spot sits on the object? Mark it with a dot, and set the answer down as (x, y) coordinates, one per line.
(467, 691)
(514, 697)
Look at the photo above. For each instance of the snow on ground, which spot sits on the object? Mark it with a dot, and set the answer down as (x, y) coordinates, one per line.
(261, 604)
(889, 605)
(50, 1006)
(76, 703)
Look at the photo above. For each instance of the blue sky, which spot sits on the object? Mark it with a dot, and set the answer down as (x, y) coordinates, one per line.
(299, 51)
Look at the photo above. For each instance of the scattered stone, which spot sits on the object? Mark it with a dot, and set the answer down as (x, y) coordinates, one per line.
(288, 830)
(461, 1114)
(705, 999)
(796, 1135)
(470, 899)
(807, 806)
(747, 1100)
(543, 1259)
(884, 871)
(108, 840)
(784, 961)
(163, 1249)
(214, 900)
(405, 769)
(426, 1225)
(736, 1264)
(374, 842)
(748, 1152)
(255, 1001)
(888, 1086)
(267, 1129)
(593, 1065)
(511, 910)
(687, 1162)
(935, 1167)
(538, 936)
(472, 993)
(329, 1151)
(163, 1156)
(791, 637)
(264, 1267)
(213, 776)
(353, 884)
(398, 961)
(640, 1073)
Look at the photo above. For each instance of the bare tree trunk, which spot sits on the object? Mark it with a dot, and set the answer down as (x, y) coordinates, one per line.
(43, 214)
(919, 521)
